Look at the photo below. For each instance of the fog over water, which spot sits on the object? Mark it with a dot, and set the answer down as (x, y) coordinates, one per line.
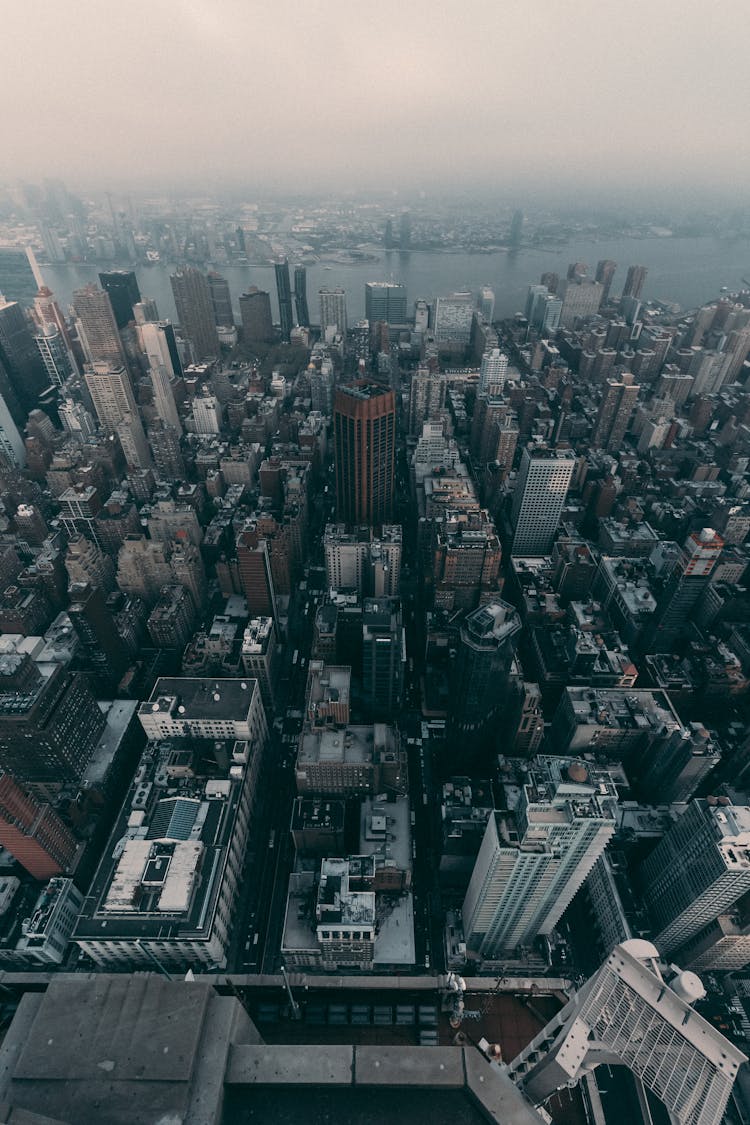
(688, 271)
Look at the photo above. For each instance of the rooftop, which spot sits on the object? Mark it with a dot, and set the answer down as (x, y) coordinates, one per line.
(201, 698)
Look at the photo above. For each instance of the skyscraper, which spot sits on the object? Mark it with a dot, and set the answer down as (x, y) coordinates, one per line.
(541, 487)
(33, 833)
(605, 272)
(493, 371)
(97, 326)
(18, 280)
(383, 656)
(20, 357)
(426, 397)
(486, 304)
(453, 317)
(54, 353)
(385, 300)
(364, 434)
(123, 291)
(158, 342)
(111, 393)
(300, 296)
(333, 311)
(581, 299)
(195, 312)
(284, 293)
(634, 281)
(487, 643)
(255, 313)
(533, 859)
(698, 870)
(221, 300)
(615, 412)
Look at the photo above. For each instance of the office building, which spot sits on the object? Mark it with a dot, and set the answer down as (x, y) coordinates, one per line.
(207, 413)
(383, 656)
(145, 311)
(481, 679)
(101, 648)
(533, 859)
(493, 372)
(19, 278)
(172, 620)
(12, 447)
(33, 833)
(195, 312)
(111, 393)
(157, 337)
(255, 573)
(327, 695)
(221, 300)
(581, 299)
(333, 312)
(385, 301)
(85, 562)
(300, 296)
(166, 888)
(358, 560)
(45, 934)
(284, 294)
(318, 826)
(160, 345)
(605, 272)
(638, 1012)
(364, 434)
(539, 496)
(634, 282)
(723, 945)
(698, 871)
(122, 289)
(453, 318)
(49, 722)
(351, 761)
(260, 657)
(54, 354)
(97, 327)
(255, 315)
(20, 361)
(486, 304)
(615, 412)
(426, 397)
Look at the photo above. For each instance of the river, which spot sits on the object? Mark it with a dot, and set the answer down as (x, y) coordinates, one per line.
(686, 271)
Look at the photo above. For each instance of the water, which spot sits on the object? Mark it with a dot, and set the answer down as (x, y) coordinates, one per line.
(687, 271)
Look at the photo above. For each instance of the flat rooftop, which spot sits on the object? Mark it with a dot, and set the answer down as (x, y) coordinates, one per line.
(201, 697)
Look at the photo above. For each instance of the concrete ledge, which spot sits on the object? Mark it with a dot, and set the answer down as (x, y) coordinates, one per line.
(293, 1065)
(408, 1066)
(494, 1092)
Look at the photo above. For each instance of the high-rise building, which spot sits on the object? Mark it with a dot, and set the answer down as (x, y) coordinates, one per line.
(634, 281)
(55, 354)
(533, 859)
(493, 371)
(284, 293)
(195, 312)
(300, 296)
(541, 487)
(333, 311)
(18, 275)
(164, 441)
(12, 447)
(605, 272)
(638, 1012)
(581, 299)
(97, 326)
(221, 300)
(158, 341)
(207, 413)
(486, 304)
(20, 358)
(385, 300)
(359, 560)
(102, 649)
(453, 317)
(111, 393)
(364, 428)
(698, 871)
(426, 397)
(255, 575)
(122, 287)
(615, 412)
(145, 311)
(487, 643)
(33, 833)
(255, 314)
(688, 578)
(383, 656)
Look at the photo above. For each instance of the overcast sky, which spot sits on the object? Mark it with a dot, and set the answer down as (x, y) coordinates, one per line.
(393, 93)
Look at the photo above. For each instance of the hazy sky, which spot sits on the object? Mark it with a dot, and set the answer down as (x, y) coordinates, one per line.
(398, 93)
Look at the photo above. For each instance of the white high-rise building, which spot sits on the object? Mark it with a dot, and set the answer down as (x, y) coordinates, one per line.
(493, 372)
(111, 394)
(637, 1012)
(541, 487)
(11, 442)
(333, 311)
(698, 871)
(358, 560)
(453, 317)
(486, 304)
(158, 342)
(207, 414)
(533, 860)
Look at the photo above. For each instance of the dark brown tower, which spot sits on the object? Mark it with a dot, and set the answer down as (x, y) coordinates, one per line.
(364, 429)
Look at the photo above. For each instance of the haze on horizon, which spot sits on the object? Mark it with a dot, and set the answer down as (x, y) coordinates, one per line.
(649, 95)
